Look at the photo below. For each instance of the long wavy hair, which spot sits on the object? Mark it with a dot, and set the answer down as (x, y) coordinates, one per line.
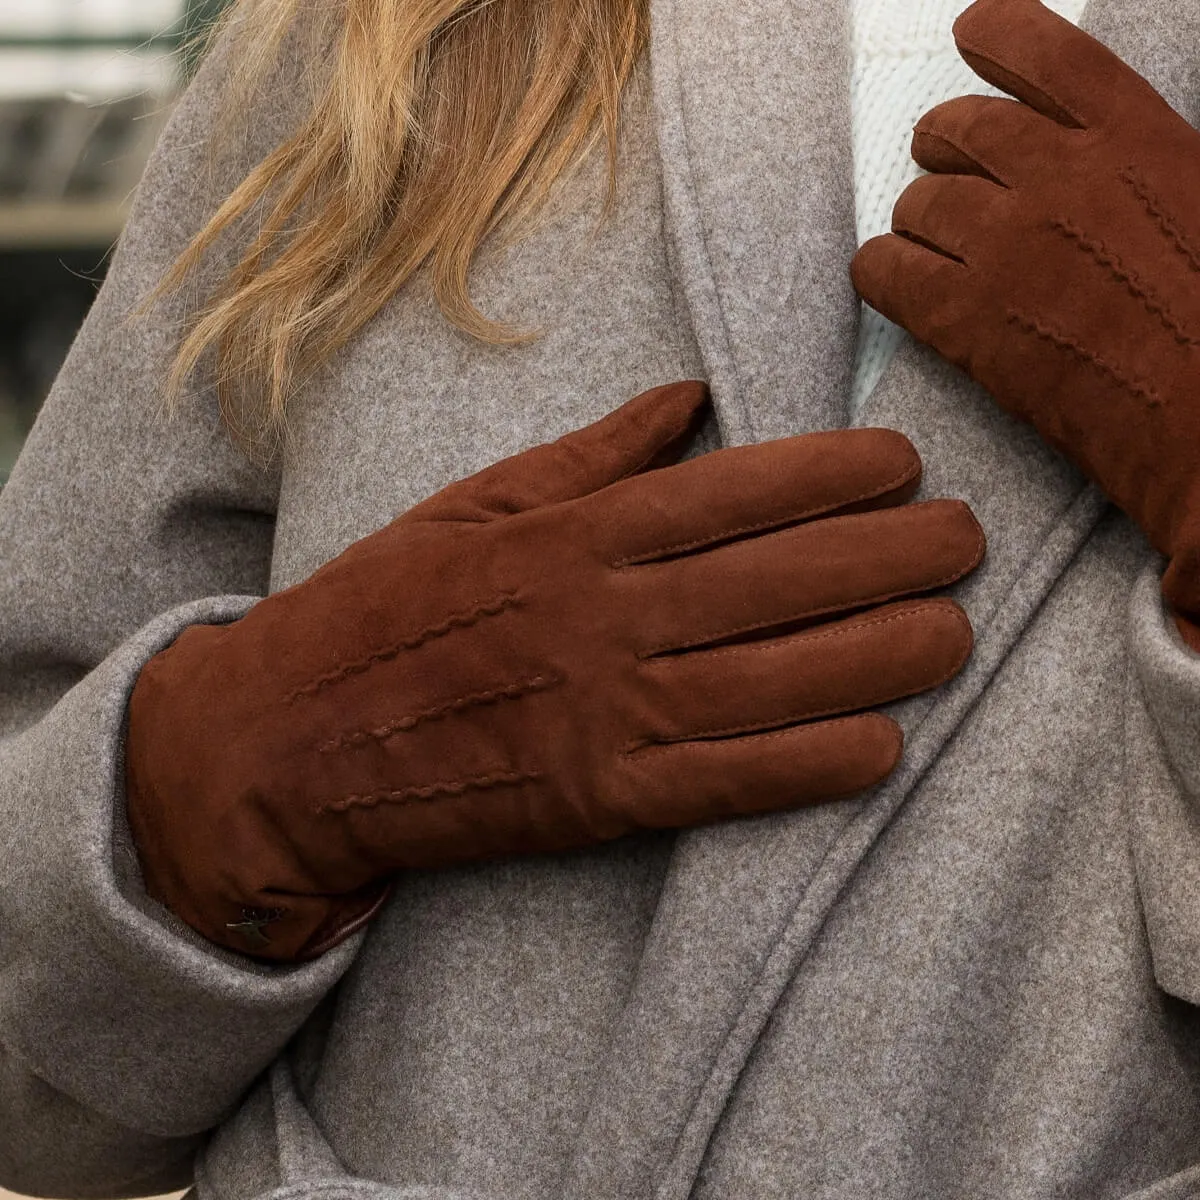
(436, 121)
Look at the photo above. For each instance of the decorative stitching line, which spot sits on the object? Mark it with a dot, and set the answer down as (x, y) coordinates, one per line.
(771, 735)
(491, 608)
(681, 547)
(1134, 285)
(811, 714)
(1084, 355)
(880, 598)
(360, 737)
(454, 787)
(1154, 207)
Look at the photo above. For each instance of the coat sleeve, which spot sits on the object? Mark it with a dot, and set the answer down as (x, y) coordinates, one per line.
(1162, 768)
(124, 1036)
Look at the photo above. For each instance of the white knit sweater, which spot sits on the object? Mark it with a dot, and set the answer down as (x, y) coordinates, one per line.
(904, 63)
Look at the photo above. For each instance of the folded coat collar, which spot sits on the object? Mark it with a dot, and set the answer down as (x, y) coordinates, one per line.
(753, 116)
(753, 108)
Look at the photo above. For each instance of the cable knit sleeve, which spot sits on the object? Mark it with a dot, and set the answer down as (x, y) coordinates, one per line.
(124, 1036)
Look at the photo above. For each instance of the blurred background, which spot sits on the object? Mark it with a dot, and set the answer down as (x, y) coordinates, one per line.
(85, 86)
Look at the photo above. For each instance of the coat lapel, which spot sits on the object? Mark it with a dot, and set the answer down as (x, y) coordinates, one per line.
(759, 203)
(752, 106)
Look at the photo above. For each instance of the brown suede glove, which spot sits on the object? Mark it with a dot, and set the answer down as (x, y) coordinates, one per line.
(1055, 256)
(566, 647)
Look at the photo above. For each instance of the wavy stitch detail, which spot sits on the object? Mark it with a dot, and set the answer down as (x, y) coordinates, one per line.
(513, 691)
(491, 608)
(1133, 284)
(455, 787)
(1162, 218)
(1082, 353)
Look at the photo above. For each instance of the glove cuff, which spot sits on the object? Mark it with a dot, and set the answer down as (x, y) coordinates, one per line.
(284, 927)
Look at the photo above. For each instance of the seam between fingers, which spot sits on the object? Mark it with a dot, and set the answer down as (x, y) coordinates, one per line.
(643, 748)
(810, 714)
(879, 598)
(645, 556)
(997, 177)
(808, 636)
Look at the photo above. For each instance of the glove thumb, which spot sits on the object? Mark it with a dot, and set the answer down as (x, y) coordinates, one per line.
(649, 431)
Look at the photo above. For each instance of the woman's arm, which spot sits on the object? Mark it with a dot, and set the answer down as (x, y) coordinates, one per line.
(123, 1034)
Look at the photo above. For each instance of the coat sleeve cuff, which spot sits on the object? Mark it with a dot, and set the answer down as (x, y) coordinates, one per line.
(105, 994)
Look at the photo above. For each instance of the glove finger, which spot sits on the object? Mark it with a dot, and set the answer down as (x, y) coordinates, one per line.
(949, 213)
(836, 667)
(652, 428)
(1028, 51)
(794, 575)
(998, 139)
(695, 783)
(745, 489)
(919, 288)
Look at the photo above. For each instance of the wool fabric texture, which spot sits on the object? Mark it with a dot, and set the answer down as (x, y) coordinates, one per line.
(979, 980)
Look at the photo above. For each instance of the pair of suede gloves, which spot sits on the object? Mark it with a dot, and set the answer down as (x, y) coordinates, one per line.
(592, 638)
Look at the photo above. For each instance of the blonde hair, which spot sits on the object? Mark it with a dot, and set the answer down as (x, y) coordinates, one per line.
(437, 121)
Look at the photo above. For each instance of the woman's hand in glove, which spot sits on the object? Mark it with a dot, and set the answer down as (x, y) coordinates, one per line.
(571, 645)
(1054, 254)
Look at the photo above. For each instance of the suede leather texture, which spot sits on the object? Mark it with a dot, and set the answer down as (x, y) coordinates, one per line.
(979, 980)
(1053, 254)
(577, 643)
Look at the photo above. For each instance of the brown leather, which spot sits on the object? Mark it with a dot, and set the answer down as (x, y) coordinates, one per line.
(1054, 254)
(571, 645)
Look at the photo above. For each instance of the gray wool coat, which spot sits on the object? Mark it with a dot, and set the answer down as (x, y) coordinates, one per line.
(980, 980)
